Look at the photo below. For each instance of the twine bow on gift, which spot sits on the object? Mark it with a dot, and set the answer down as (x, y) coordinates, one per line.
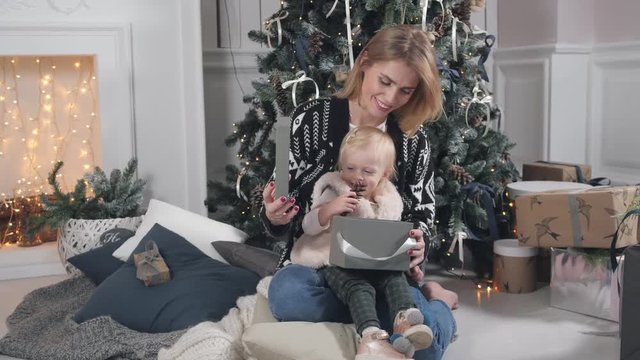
(269, 23)
(302, 76)
(149, 258)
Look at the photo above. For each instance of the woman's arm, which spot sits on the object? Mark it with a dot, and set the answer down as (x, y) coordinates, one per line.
(418, 190)
(277, 215)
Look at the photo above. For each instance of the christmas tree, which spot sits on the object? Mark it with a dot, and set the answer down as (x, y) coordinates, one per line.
(322, 38)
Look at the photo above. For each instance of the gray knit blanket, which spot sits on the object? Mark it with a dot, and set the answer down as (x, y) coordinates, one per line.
(42, 327)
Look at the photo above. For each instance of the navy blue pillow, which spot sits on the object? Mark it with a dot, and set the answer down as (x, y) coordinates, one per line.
(98, 264)
(200, 289)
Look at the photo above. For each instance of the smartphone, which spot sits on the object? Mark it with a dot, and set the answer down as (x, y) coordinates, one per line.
(282, 156)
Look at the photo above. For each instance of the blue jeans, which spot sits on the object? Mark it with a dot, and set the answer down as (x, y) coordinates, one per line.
(299, 293)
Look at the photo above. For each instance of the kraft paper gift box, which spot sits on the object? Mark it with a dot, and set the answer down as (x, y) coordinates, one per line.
(370, 244)
(150, 266)
(556, 171)
(576, 218)
(584, 283)
(629, 310)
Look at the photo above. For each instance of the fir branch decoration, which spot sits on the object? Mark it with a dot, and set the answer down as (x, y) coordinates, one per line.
(117, 196)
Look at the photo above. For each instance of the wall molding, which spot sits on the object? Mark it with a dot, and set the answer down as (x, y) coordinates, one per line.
(518, 128)
(222, 60)
(610, 109)
(584, 91)
(538, 51)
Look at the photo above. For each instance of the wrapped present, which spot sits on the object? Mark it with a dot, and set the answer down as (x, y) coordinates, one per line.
(577, 218)
(557, 171)
(629, 310)
(351, 246)
(150, 266)
(584, 282)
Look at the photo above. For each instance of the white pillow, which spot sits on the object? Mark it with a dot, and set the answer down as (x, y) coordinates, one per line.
(196, 229)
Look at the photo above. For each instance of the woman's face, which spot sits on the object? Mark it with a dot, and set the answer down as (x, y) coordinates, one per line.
(387, 86)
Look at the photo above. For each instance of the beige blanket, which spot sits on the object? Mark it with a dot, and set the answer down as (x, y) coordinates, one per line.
(220, 340)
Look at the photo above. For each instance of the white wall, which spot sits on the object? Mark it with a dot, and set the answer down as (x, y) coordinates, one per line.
(229, 67)
(571, 82)
(161, 41)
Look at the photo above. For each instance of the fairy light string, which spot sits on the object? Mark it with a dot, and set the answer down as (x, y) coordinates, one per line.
(48, 113)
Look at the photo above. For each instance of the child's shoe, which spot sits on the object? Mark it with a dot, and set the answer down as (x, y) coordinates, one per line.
(409, 323)
(376, 346)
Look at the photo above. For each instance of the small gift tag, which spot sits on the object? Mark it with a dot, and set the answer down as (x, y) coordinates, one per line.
(150, 266)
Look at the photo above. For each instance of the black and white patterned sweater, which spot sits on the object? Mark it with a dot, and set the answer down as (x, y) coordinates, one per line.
(317, 129)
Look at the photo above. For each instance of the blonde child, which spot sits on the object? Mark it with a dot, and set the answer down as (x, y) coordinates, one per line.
(362, 188)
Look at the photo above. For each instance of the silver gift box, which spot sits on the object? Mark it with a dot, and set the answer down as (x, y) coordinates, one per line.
(584, 284)
(370, 244)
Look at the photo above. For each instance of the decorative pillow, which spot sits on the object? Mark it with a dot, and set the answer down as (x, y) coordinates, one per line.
(200, 289)
(197, 229)
(97, 264)
(261, 261)
(268, 339)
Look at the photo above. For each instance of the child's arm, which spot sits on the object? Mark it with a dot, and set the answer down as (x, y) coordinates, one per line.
(345, 203)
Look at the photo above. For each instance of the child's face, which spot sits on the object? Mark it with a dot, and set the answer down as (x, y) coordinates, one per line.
(362, 166)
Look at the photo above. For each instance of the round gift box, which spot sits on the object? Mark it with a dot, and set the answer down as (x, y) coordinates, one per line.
(514, 267)
(527, 187)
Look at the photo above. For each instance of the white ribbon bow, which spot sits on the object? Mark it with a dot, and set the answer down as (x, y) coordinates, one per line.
(484, 101)
(454, 40)
(302, 76)
(353, 251)
(459, 240)
(425, 5)
(239, 192)
(281, 16)
(348, 21)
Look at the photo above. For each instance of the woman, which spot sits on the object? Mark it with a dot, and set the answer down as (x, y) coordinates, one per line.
(394, 85)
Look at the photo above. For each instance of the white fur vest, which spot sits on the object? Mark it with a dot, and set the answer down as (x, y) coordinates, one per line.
(313, 250)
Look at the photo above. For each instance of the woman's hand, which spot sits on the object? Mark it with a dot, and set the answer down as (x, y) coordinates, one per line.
(279, 211)
(417, 255)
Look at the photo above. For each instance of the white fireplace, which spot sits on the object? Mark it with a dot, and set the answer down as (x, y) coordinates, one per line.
(148, 65)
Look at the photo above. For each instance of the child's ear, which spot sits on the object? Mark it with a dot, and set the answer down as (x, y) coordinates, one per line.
(387, 173)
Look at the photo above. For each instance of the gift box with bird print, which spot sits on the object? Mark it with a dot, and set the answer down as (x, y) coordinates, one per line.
(585, 218)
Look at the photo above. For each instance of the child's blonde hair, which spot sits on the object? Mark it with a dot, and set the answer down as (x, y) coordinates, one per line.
(361, 137)
(411, 44)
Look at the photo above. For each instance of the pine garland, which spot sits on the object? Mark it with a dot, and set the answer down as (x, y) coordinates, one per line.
(117, 196)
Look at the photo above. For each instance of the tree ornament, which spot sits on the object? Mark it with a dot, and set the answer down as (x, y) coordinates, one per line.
(341, 73)
(460, 174)
(431, 35)
(462, 11)
(281, 94)
(477, 5)
(315, 43)
(255, 197)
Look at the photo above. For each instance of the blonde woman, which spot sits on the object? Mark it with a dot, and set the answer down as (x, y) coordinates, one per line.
(394, 86)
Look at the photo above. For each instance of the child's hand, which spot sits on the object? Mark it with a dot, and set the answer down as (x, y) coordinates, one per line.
(345, 203)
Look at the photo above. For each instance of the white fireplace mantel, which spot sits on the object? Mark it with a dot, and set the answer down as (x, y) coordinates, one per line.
(111, 45)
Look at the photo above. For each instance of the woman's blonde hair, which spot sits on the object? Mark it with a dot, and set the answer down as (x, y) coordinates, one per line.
(411, 44)
(361, 137)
